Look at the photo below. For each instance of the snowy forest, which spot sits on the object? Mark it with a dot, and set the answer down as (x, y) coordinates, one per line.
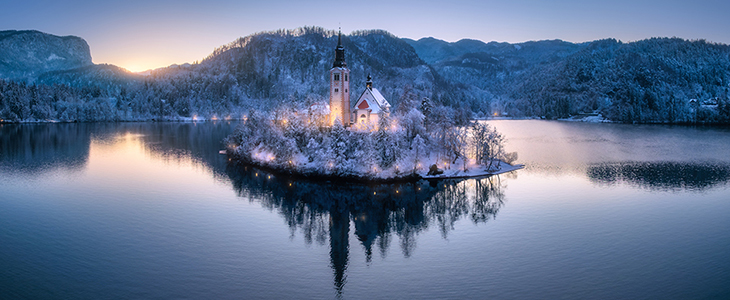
(417, 139)
(658, 80)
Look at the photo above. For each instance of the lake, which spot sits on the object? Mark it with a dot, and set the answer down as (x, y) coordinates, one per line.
(151, 210)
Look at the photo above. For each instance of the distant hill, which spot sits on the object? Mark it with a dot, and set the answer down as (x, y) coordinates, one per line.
(646, 81)
(26, 54)
(653, 80)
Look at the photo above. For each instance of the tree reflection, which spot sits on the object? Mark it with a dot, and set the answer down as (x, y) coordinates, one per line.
(662, 175)
(34, 148)
(379, 215)
(378, 212)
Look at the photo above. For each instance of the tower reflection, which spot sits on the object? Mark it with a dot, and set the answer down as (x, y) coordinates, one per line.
(377, 212)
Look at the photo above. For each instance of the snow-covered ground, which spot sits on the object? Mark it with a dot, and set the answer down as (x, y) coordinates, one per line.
(300, 166)
(498, 168)
(589, 118)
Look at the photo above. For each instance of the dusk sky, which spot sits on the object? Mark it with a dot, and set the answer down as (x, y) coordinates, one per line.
(145, 34)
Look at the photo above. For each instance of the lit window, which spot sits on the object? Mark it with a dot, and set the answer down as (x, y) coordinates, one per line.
(337, 77)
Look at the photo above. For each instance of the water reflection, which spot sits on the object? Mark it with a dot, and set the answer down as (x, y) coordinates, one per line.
(37, 148)
(662, 175)
(378, 211)
(386, 216)
(31, 148)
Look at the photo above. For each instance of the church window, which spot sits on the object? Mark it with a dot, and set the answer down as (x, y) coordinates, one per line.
(337, 77)
(345, 79)
(337, 90)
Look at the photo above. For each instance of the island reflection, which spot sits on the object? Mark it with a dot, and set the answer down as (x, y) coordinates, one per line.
(325, 211)
(661, 176)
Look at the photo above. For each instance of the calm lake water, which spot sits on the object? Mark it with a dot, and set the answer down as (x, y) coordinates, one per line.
(151, 210)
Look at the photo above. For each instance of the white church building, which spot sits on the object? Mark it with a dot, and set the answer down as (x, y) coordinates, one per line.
(368, 107)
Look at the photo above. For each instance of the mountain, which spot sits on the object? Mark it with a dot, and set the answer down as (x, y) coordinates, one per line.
(268, 69)
(261, 71)
(26, 54)
(654, 80)
(436, 52)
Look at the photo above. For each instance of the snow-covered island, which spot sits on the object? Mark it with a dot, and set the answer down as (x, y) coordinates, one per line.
(422, 142)
(363, 140)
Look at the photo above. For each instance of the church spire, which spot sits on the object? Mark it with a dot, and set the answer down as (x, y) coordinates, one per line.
(339, 53)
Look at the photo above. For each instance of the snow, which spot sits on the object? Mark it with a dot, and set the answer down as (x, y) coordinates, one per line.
(589, 118)
(299, 164)
(373, 96)
(53, 56)
(500, 167)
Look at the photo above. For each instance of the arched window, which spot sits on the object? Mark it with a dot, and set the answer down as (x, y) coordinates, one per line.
(337, 76)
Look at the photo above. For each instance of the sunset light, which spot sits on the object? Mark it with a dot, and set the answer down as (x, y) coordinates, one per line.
(364, 150)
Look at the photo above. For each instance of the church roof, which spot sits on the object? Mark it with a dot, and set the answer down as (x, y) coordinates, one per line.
(372, 99)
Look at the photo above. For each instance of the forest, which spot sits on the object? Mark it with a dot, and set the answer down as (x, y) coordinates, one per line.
(658, 80)
(415, 140)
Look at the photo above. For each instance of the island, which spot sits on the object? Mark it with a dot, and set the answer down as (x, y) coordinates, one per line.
(365, 140)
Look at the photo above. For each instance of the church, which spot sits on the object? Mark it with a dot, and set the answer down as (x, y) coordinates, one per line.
(369, 106)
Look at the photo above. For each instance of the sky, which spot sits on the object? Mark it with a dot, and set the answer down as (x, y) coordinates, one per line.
(145, 34)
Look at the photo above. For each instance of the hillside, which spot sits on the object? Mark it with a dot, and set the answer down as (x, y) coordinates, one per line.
(645, 81)
(259, 71)
(26, 54)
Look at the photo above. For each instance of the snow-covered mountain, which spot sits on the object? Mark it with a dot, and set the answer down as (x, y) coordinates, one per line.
(27, 54)
(644, 81)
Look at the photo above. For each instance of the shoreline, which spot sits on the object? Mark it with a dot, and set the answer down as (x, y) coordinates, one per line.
(200, 120)
(345, 178)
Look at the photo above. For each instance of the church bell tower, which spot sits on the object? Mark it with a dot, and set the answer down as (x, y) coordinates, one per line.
(340, 86)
